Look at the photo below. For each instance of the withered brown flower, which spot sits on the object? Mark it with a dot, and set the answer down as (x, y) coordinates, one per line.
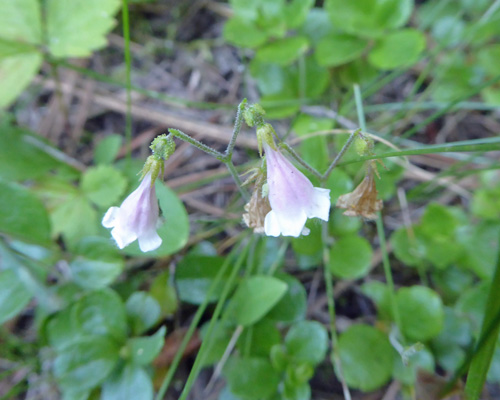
(362, 201)
(258, 206)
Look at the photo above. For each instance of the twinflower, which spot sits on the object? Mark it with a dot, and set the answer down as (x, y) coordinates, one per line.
(137, 217)
(292, 196)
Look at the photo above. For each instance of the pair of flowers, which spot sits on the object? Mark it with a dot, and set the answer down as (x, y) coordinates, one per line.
(292, 200)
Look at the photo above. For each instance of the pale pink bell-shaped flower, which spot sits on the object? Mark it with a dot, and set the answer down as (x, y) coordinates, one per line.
(136, 218)
(292, 197)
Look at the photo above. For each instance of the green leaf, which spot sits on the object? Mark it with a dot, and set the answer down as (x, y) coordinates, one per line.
(97, 263)
(143, 350)
(283, 51)
(293, 305)
(28, 219)
(339, 48)
(74, 225)
(262, 337)
(316, 25)
(481, 248)
(101, 313)
(296, 12)
(421, 311)
(174, 231)
(340, 224)
(23, 155)
(350, 257)
(369, 18)
(242, 33)
(449, 30)
(251, 375)
(398, 49)
(20, 20)
(85, 363)
(163, 291)
(438, 221)
(143, 311)
(378, 292)
(367, 357)
(130, 383)
(194, 275)
(107, 149)
(63, 329)
(103, 185)
(271, 78)
(310, 244)
(14, 296)
(76, 28)
(307, 341)
(16, 72)
(254, 297)
(409, 247)
(407, 374)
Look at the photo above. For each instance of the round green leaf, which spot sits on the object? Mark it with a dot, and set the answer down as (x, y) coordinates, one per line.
(22, 214)
(194, 275)
(307, 341)
(97, 263)
(421, 312)
(76, 28)
(143, 350)
(131, 383)
(107, 149)
(410, 250)
(398, 49)
(283, 51)
(103, 185)
(13, 295)
(293, 305)
(338, 48)
(86, 362)
(143, 311)
(242, 33)
(350, 257)
(251, 375)
(101, 313)
(341, 224)
(369, 18)
(174, 231)
(311, 244)
(367, 357)
(163, 291)
(254, 297)
(296, 12)
(262, 337)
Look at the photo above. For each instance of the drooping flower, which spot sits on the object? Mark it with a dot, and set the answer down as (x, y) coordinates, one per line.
(136, 218)
(362, 201)
(292, 197)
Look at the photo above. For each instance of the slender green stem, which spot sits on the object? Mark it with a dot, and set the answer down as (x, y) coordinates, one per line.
(194, 323)
(335, 357)
(299, 159)
(128, 63)
(218, 309)
(196, 143)
(388, 272)
(236, 130)
(236, 177)
(337, 159)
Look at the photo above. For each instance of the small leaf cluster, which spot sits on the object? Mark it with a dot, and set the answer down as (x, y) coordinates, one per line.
(301, 50)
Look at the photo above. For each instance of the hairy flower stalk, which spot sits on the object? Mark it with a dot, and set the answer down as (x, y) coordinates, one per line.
(292, 197)
(137, 217)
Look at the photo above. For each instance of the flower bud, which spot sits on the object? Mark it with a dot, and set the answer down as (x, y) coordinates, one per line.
(254, 115)
(363, 145)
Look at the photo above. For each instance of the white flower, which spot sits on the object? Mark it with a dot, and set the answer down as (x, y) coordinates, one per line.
(292, 196)
(136, 218)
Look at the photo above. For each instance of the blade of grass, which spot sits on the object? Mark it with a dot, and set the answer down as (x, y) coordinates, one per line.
(482, 358)
(128, 82)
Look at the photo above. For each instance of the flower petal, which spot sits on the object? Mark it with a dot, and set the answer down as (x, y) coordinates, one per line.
(320, 204)
(123, 237)
(109, 219)
(271, 224)
(149, 241)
